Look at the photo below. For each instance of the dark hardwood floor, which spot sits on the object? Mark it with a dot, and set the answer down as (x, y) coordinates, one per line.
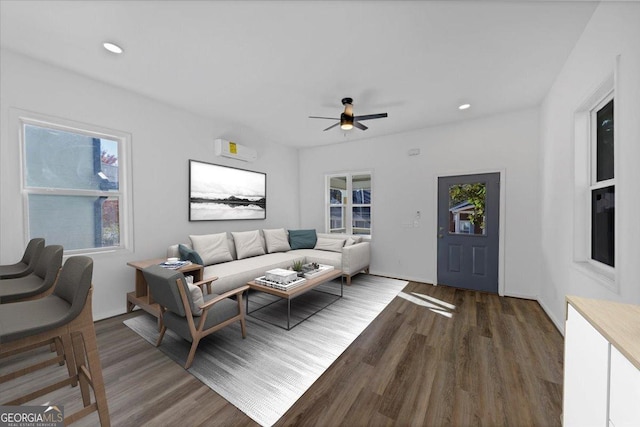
(494, 362)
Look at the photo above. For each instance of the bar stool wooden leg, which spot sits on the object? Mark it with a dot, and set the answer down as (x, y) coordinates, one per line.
(93, 359)
(67, 349)
(87, 359)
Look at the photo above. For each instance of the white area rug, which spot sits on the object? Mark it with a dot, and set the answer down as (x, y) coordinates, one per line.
(264, 374)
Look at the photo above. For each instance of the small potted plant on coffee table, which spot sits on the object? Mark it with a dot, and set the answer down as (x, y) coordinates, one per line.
(297, 266)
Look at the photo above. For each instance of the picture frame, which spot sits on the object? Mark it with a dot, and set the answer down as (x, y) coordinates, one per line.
(223, 193)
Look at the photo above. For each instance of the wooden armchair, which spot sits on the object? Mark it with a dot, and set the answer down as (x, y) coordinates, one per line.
(187, 312)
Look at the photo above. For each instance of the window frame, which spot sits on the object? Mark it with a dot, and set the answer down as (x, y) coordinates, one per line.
(602, 274)
(347, 209)
(594, 184)
(123, 193)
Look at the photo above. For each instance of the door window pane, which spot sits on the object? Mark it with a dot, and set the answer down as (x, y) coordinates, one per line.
(349, 203)
(361, 190)
(337, 200)
(337, 220)
(466, 209)
(361, 220)
(604, 143)
(338, 190)
(602, 225)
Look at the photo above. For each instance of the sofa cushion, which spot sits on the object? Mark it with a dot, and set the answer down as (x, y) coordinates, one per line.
(197, 300)
(248, 244)
(232, 246)
(277, 240)
(350, 241)
(212, 248)
(354, 237)
(237, 273)
(321, 257)
(302, 239)
(333, 245)
(188, 254)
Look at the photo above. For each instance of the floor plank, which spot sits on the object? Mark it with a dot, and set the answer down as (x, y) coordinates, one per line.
(496, 361)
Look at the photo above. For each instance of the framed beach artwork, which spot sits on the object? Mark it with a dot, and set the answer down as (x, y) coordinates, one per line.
(225, 193)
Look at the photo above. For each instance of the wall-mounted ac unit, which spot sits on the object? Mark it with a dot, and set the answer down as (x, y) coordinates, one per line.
(233, 150)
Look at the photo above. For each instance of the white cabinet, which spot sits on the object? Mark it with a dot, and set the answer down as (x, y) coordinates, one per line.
(602, 364)
(624, 399)
(586, 373)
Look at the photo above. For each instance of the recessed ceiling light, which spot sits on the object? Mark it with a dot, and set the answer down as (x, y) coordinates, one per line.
(464, 106)
(111, 47)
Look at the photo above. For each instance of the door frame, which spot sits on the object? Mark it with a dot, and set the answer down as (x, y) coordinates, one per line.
(502, 219)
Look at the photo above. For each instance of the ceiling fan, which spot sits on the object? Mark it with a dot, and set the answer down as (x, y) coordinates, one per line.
(347, 120)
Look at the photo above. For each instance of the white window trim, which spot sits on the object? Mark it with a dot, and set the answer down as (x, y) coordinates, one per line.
(593, 129)
(124, 171)
(348, 207)
(602, 268)
(584, 183)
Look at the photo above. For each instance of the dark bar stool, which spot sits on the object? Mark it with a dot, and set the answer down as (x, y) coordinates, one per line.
(37, 284)
(64, 316)
(27, 263)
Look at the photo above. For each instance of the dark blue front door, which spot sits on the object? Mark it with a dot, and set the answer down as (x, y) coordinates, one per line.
(468, 231)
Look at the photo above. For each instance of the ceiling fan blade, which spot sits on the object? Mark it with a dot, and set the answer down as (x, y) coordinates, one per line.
(371, 116)
(332, 126)
(360, 125)
(328, 118)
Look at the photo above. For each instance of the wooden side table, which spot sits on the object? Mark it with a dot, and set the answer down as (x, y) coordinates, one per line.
(141, 296)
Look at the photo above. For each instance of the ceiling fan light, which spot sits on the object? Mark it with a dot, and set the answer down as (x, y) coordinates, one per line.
(346, 122)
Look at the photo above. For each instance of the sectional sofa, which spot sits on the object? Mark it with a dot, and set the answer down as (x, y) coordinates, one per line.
(238, 257)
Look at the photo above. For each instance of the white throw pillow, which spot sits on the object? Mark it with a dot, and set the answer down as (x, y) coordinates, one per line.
(333, 245)
(350, 241)
(212, 248)
(197, 299)
(248, 243)
(277, 240)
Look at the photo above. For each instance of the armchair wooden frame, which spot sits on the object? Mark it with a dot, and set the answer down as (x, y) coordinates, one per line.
(198, 332)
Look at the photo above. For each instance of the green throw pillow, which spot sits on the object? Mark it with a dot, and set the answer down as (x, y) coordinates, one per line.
(302, 239)
(187, 254)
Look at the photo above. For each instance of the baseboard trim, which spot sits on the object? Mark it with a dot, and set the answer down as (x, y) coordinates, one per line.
(559, 325)
(400, 277)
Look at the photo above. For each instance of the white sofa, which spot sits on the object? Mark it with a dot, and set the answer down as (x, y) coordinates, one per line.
(233, 272)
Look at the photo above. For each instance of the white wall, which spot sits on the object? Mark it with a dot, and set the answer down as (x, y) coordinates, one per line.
(163, 139)
(403, 185)
(613, 30)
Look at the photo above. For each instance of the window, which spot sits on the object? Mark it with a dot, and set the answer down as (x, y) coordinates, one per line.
(595, 173)
(602, 186)
(73, 187)
(466, 208)
(349, 203)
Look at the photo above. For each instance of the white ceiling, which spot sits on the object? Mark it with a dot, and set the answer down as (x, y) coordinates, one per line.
(268, 65)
